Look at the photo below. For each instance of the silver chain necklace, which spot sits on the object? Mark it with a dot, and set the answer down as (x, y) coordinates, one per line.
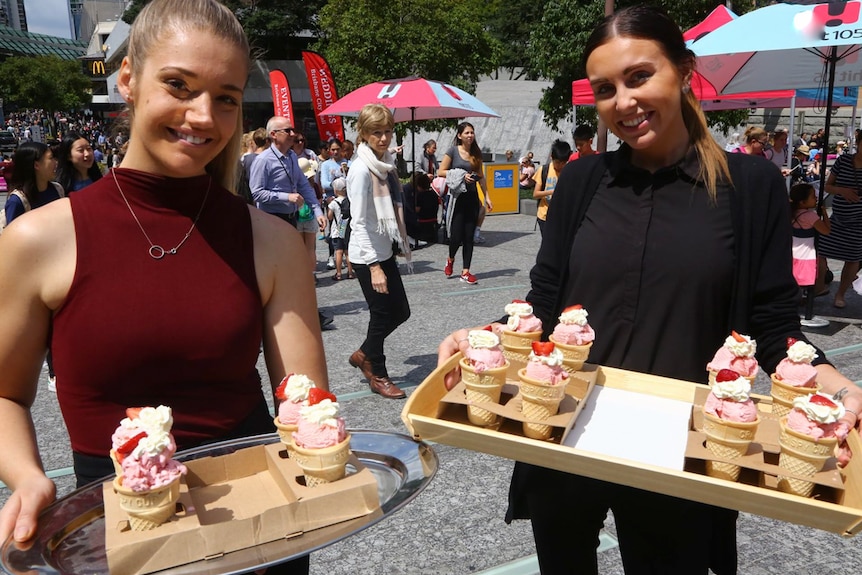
(156, 251)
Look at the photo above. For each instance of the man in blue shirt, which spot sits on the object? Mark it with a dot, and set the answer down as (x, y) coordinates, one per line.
(277, 184)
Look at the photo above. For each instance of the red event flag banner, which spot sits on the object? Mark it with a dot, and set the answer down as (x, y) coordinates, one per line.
(323, 94)
(281, 102)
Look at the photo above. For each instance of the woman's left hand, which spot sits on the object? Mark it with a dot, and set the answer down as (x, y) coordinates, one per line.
(488, 205)
(378, 279)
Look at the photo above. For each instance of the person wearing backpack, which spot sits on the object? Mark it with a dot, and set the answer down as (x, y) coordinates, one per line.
(338, 212)
(31, 186)
(546, 179)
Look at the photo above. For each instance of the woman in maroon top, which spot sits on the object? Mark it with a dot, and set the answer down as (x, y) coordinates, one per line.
(156, 283)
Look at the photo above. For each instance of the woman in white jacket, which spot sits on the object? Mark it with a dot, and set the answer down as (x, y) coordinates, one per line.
(377, 225)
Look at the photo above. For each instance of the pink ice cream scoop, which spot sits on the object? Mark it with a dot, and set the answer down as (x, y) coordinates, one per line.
(521, 318)
(799, 422)
(739, 411)
(311, 435)
(725, 359)
(485, 359)
(574, 334)
(529, 323)
(152, 471)
(796, 374)
(288, 412)
(548, 373)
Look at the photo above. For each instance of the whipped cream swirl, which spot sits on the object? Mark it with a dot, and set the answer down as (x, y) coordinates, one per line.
(323, 413)
(801, 352)
(482, 339)
(745, 348)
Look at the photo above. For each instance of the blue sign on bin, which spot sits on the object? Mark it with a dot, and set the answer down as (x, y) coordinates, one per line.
(504, 178)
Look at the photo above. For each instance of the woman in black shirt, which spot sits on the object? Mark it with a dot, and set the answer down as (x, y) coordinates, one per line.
(670, 243)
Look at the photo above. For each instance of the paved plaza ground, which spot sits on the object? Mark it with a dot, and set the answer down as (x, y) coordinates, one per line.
(456, 525)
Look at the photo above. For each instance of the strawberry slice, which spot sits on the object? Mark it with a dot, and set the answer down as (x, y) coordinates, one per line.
(573, 307)
(726, 375)
(543, 347)
(129, 446)
(279, 391)
(488, 328)
(818, 399)
(133, 412)
(520, 301)
(737, 337)
(791, 341)
(316, 395)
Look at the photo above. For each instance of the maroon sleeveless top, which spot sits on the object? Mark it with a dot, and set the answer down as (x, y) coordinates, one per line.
(183, 331)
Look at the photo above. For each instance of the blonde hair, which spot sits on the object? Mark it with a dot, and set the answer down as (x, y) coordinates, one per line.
(373, 117)
(713, 158)
(753, 133)
(161, 18)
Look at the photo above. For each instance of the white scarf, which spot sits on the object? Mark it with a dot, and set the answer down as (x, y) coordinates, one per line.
(390, 218)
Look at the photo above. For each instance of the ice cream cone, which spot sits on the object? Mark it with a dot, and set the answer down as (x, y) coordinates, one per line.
(482, 387)
(118, 467)
(516, 354)
(574, 356)
(727, 439)
(519, 339)
(148, 509)
(323, 465)
(784, 394)
(713, 374)
(539, 400)
(285, 433)
(801, 455)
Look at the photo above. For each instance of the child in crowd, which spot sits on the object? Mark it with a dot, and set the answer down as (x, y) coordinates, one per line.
(338, 212)
(806, 225)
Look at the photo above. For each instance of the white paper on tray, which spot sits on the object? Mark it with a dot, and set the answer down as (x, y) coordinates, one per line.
(634, 426)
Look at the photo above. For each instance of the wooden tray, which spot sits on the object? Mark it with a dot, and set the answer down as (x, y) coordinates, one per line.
(422, 416)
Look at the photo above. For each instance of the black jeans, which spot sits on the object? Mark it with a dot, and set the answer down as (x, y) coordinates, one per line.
(388, 311)
(464, 217)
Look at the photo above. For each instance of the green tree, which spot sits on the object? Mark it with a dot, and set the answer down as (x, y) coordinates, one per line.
(556, 48)
(47, 82)
(510, 22)
(273, 27)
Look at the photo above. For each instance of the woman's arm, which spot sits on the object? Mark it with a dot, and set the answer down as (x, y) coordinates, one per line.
(37, 258)
(444, 166)
(291, 328)
(848, 194)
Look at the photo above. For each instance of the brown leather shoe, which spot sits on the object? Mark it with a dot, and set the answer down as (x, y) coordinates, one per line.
(358, 359)
(385, 387)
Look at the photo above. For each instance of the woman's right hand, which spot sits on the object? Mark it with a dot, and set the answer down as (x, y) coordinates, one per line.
(848, 194)
(21, 513)
(378, 279)
(452, 344)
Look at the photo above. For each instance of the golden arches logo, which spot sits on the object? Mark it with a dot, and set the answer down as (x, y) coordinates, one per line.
(97, 67)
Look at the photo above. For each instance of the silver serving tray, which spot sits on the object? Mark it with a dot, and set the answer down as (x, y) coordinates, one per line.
(71, 535)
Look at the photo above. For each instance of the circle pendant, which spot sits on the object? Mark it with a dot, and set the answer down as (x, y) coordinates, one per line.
(157, 252)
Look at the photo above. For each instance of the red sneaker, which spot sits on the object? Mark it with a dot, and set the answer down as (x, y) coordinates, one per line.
(469, 278)
(448, 269)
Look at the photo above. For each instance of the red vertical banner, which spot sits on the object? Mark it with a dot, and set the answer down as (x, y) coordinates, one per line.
(281, 102)
(322, 95)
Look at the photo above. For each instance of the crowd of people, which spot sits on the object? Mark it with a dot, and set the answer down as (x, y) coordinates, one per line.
(176, 208)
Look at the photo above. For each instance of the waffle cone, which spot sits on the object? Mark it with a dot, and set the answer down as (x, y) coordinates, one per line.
(118, 467)
(519, 338)
(539, 400)
(482, 387)
(285, 434)
(784, 394)
(713, 374)
(801, 455)
(323, 465)
(729, 440)
(517, 354)
(148, 509)
(574, 356)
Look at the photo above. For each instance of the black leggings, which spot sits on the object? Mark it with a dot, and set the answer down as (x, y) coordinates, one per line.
(388, 311)
(465, 214)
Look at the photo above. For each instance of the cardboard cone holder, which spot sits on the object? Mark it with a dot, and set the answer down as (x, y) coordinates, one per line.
(321, 466)
(801, 455)
(728, 440)
(285, 433)
(574, 356)
(482, 387)
(539, 401)
(148, 509)
(784, 394)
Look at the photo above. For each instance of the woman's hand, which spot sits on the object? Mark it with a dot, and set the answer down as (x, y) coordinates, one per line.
(21, 512)
(378, 279)
(848, 194)
(296, 198)
(488, 205)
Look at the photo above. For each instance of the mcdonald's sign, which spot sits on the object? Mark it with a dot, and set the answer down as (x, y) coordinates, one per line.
(97, 67)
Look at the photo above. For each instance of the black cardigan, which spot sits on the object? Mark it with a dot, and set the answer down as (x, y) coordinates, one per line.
(765, 294)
